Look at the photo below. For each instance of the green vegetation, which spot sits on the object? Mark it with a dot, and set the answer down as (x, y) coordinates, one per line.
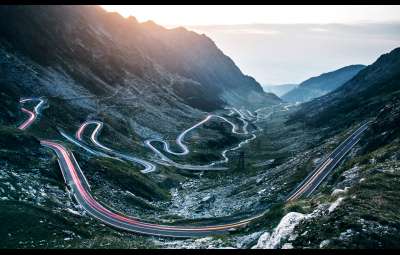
(26, 225)
(9, 98)
(368, 216)
(17, 147)
(370, 212)
(268, 221)
(123, 175)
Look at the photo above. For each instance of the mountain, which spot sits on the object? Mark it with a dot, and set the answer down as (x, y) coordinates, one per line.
(361, 97)
(142, 81)
(356, 205)
(363, 189)
(90, 52)
(279, 90)
(322, 84)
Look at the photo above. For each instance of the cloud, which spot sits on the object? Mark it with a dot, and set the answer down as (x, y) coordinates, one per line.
(248, 31)
(292, 53)
(318, 29)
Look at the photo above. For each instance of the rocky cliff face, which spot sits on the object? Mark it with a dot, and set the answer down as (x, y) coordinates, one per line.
(322, 84)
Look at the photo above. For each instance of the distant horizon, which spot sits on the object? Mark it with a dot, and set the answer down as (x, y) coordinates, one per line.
(290, 52)
(277, 85)
(286, 49)
(194, 15)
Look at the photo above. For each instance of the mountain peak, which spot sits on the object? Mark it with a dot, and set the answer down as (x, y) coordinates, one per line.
(115, 49)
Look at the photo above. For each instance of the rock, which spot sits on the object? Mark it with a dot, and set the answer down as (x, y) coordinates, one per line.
(316, 161)
(282, 231)
(304, 233)
(346, 235)
(324, 243)
(208, 199)
(243, 241)
(339, 191)
(335, 204)
(261, 191)
(287, 246)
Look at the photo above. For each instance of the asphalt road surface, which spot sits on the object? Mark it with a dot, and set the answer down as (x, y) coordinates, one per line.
(313, 180)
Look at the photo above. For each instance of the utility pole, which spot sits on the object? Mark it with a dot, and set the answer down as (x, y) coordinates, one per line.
(241, 160)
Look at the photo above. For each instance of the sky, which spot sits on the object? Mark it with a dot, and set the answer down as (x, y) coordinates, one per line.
(284, 44)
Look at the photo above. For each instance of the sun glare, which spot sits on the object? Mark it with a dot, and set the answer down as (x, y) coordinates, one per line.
(187, 15)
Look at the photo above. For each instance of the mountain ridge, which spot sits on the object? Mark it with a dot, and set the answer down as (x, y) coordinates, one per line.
(361, 97)
(320, 85)
(113, 49)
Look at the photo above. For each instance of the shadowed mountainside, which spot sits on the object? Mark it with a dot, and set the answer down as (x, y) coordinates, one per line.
(361, 97)
(102, 51)
(322, 84)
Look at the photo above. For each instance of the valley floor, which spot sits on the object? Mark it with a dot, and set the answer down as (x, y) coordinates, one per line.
(270, 167)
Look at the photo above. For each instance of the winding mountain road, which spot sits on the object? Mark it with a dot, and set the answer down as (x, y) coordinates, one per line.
(185, 150)
(32, 114)
(148, 167)
(80, 188)
(164, 160)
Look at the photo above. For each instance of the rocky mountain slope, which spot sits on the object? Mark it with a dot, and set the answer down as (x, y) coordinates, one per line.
(89, 52)
(322, 84)
(356, 206)
(142, 81)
